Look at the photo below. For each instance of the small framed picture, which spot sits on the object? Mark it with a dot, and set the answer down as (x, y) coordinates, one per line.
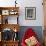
(5, 12)
(30, 13)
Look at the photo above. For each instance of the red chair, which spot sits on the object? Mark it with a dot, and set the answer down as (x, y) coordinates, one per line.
(29, 33)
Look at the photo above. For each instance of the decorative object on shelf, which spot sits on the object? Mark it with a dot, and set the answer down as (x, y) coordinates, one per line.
(5, 12)
(15, 34)
(6, 21)
(0, 12)
(7, 34)
(15, 37)
(15, 3)
(15, 30)
(30, 13)
(13, 12)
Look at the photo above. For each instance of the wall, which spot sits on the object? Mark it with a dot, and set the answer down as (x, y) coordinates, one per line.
(39, 12)
(27, 3)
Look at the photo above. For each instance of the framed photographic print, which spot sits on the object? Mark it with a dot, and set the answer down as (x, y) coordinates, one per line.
(30, 13)
(5, 12)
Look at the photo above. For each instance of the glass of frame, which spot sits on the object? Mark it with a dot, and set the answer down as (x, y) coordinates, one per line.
(30, 13)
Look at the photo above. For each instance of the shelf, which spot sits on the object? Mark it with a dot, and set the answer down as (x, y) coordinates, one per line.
(5, 8)
(9, 10)
(11, 41)
(10, 26)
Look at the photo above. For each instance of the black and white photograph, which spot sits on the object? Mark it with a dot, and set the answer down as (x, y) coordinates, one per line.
(30, 13)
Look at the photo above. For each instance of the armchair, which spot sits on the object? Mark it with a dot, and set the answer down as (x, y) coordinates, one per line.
(30, 38)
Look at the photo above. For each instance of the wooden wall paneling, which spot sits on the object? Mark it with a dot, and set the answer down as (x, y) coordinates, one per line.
(44, 6)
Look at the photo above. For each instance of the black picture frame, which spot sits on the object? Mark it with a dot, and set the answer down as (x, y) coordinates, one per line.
(30, 13)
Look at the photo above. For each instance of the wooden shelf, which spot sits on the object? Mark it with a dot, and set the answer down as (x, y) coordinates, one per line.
(9, 9)
(3, 8)
(10, 43)
(4, 13)
(11, 26)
